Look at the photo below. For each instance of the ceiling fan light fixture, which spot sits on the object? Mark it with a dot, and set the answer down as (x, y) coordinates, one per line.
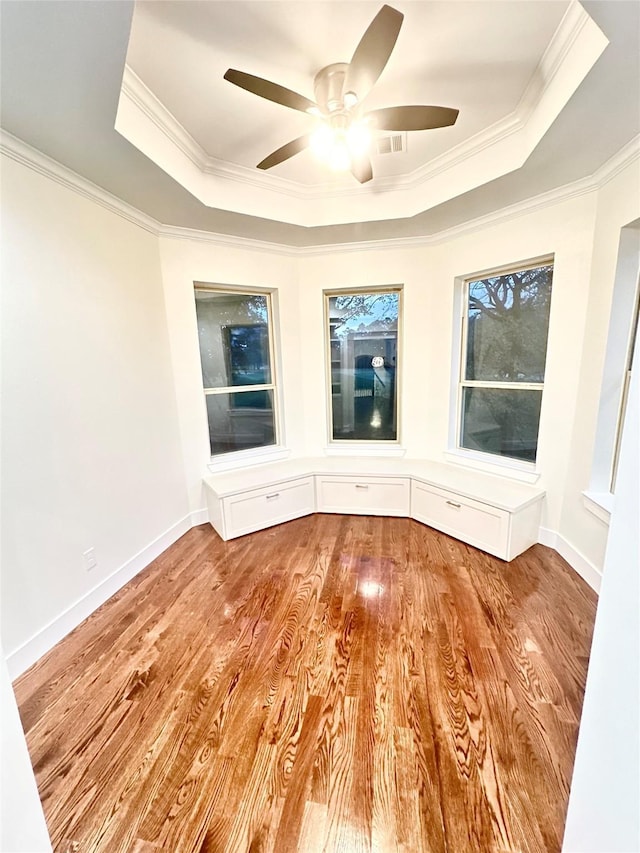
(358, 138)
(350, 99)
(340, 156)
(329, 144)
(338, 146)
(321, 141)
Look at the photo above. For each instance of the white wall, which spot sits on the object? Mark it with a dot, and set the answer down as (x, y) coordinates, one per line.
(605, 792)
(185, 262)
(22, 825)
(618, 204)
(91, 453)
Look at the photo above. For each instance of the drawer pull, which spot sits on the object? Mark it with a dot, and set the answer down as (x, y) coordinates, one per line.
(274, 495)
(451, 503)
(358, 486)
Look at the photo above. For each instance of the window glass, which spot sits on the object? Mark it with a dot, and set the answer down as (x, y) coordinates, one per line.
(506, 324)
(363, 353)
(508, 321)
(240, 421)
(235, 355)
(502, 421)
(234, 339)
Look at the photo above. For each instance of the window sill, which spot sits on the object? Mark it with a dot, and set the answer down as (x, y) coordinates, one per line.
(245, 458)
(524, 472)
(599, 504)
(365, 448)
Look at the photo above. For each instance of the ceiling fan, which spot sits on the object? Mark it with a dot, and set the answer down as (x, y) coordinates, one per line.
(342, 137)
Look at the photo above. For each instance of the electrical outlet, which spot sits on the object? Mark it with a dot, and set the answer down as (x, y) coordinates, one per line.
(90, 561)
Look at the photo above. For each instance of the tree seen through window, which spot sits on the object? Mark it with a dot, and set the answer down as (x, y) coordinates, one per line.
(507, 322)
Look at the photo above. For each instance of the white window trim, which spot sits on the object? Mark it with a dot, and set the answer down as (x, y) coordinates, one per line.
(363, 447)
(615, 376)
(245, 458)
(599, 504)
(271, 452)
(517, 469)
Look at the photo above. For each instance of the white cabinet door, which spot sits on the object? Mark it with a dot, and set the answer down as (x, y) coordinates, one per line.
(259, 508)
(474, 522)
(363, 496)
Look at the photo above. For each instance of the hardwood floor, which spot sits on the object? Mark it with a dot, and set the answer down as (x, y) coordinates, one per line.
(337, 683)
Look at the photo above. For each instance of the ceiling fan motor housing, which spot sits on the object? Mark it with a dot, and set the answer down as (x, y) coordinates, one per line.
(328, 86)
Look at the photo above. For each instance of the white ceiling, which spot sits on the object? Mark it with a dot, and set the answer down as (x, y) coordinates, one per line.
(475, 56)
(62, 67)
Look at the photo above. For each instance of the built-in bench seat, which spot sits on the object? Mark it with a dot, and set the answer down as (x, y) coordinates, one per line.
(496, 514)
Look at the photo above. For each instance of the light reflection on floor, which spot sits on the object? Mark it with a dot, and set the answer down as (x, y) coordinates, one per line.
(370, 589)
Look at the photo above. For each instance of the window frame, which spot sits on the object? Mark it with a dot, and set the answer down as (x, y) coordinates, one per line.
(618, 362)
(270, 294)
(624, 393)
(459, 371)
(343, 443)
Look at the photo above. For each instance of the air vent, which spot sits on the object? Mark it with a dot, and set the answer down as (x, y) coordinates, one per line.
(392, 143)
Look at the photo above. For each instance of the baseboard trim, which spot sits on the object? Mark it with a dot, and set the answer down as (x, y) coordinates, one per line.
(199, 516)
(19, 660)
(578, 562)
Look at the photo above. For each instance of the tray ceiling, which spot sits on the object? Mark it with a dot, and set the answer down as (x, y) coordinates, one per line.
(62, 71)
(509, 68)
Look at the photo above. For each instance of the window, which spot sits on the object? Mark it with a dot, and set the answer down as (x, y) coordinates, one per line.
(504, 345)
(626, 384)
(362, 329)
(616, 374)
(236, 354)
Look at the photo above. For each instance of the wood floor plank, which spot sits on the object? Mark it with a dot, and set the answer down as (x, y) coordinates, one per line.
(334, 684)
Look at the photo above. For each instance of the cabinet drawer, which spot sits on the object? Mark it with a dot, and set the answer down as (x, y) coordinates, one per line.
(258, 508)
(474, 522)
(363, 496)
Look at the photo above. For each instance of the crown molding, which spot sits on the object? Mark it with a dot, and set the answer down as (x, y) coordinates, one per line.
(134, 88)
(564, 38)
(228, 241)
(621, 160)
(30, 157)
(35, 160)
(140, 94)
(573, 22)
(557, 52)
(514, 211)
(151, 106)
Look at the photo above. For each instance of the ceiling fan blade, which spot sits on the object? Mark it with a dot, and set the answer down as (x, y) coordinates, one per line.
(373, 51)
(281, 154)
(361, 169)
(412, 118)
(270, 91)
